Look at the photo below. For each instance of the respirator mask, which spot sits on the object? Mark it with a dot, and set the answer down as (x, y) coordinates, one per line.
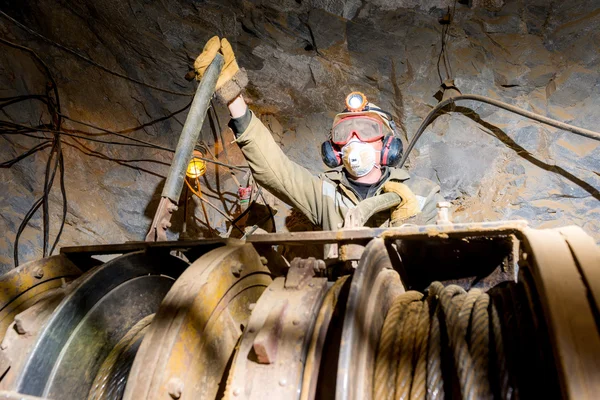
(359, 158)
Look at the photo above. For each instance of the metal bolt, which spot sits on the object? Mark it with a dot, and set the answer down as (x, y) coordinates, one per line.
(19, 327)
(443, 217)
(38, 273)
(175, 387)
(311, 284)
(236, 269)
(282, 382)
(236, 391)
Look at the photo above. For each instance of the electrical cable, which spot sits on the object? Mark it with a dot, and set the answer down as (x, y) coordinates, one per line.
(443, 56)
(84, 58)
(517, 110)
(199, 195)
(119, 134)
(56, 154)
(54, 108)
(45, 208)
(63, 192)
(25, 128)
(33, 150)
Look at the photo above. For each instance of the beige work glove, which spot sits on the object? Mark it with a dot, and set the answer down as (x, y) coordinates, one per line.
(232, 80)
(408, 207)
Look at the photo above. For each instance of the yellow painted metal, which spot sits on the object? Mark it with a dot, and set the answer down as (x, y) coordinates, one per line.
(24, 286)
(568, 312)
(193, 336)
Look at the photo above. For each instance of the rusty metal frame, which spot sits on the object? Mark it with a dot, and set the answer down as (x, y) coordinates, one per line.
(359, 235)
(189, 344)
(569, 310)
(269, 363)
(23, 286)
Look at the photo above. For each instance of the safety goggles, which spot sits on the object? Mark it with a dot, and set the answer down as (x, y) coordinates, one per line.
(364, 128)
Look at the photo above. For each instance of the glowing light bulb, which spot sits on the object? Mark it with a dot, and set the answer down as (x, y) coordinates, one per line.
(356, 101)
(197, 167)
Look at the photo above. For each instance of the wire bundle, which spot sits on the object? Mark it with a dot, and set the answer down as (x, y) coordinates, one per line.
(451, 343)
(54, 128)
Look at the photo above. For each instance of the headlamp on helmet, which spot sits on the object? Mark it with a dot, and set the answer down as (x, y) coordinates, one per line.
(356, 101)
(367, 123)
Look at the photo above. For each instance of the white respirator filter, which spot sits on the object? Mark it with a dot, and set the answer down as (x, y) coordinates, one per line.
(359, 158)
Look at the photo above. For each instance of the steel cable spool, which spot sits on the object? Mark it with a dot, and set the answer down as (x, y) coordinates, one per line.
(97, 312)
(505, 343)
(189, 346)
(112, 376)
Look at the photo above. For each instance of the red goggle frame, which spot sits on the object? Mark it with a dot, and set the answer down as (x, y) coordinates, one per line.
(366, 129)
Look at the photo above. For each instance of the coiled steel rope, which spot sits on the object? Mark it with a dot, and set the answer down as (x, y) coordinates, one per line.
(451, 343)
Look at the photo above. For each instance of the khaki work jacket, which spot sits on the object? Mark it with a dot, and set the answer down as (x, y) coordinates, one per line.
(324, 199)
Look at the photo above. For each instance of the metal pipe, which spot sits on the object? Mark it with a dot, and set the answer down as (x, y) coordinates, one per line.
(191, 130)
(359, 216)
(528, 114)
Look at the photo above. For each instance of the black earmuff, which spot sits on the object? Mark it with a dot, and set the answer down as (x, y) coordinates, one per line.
(392, 150)
(330, 156)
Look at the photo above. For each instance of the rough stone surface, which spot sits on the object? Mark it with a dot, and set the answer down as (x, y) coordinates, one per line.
(302, 58)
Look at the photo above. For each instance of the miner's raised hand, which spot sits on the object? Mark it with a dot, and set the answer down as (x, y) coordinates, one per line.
(232, 80)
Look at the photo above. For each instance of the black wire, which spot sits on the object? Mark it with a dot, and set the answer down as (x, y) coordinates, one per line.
(34, 149)
(54, 109)
(270, 212)
(63, 191)
(45, 210)
(84, 58)
(133, 129)
(17, 99)
(30, 129)
(443, 50)
(25, 221)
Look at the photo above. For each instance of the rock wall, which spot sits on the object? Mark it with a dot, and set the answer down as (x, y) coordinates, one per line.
(302, 58)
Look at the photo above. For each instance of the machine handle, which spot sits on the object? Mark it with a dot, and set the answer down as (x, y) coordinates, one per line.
(183, 152)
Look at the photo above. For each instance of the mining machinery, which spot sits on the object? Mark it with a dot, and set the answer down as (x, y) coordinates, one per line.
(450, 310)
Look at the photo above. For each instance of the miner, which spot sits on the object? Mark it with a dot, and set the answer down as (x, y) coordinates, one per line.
(362, 150)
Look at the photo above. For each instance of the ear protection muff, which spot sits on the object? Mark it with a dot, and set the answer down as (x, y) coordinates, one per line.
(331, 157)
(392, 150)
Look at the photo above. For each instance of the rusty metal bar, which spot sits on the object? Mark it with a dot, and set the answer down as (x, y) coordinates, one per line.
(183, 152)
(490, 229)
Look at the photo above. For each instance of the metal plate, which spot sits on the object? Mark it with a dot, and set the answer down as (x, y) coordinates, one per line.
(568, 312)
(192, 338)
(91, 319)
(270, 361)
(316, 349)
(374, 286)
(21, 287)
(587, 255)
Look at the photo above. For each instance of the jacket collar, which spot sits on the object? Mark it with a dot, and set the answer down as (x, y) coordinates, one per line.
(339, 177)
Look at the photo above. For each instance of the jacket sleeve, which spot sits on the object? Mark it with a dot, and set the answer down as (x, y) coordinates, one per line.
(430, 193)
(284, 178)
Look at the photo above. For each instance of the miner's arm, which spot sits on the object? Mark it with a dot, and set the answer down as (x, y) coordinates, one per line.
(271, 168)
